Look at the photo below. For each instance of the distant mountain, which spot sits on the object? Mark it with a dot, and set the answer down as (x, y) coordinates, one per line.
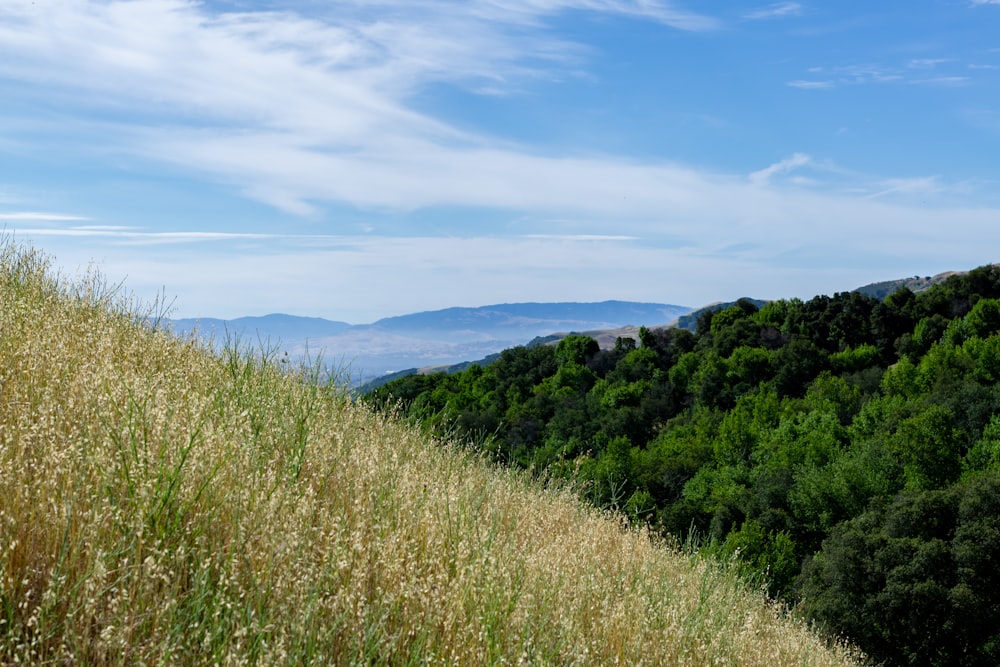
(433, 338)
(276, 326)
(520, 317)
(916, 284)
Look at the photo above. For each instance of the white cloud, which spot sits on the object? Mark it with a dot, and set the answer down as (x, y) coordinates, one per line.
(861, 74)
(789, 164)
(531, 12)
(582, 237)
(811, 85)
(128, 236)
(775, 10)
(927, 62)
(300, 113)
(946, 81)
(921, 185)
(35, 216)
(319, 110)
(406, 175)
(219, 63)
(873, 74)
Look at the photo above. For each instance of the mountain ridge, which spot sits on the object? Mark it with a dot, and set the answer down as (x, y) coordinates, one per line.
(427, 338)
(521, 314)
(882, 289)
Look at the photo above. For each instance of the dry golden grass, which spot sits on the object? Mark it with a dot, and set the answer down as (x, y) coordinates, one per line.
(160, 504)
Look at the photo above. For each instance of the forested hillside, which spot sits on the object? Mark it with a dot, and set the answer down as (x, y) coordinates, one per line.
(846, 448)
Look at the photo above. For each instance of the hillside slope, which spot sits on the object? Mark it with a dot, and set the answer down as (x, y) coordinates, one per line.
(160, 504)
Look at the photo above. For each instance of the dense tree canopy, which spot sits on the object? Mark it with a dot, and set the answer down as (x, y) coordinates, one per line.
(846, 449)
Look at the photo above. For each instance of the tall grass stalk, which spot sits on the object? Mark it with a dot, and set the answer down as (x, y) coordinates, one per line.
(163, 504)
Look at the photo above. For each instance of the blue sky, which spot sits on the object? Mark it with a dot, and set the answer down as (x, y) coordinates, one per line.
(360, 159)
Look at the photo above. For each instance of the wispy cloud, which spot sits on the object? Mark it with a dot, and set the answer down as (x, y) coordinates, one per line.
(847, 75)
(923, 185)
(868, 73)
(927, 62)
(129, 235)
(416, 173)
(775, 10)
(913, 72)
(35, 216)
(315, 110)
(787, 165)
(811, 85)
(132, 235)
(531, 12)
(582, 237)
(946, 81)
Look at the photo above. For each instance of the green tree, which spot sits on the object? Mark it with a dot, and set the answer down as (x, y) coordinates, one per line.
(930, 448)
(748, 368)
(985, 453)
(854, 359)
(734, 327)
(796, 365)
(575, 349)
(709, 383)
(766, 554)
(915, 581)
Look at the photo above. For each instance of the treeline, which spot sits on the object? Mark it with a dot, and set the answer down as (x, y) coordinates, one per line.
(846, 449)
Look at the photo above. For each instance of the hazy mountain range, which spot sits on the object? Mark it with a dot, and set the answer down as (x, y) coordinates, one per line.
(440, 337)
(455, 336)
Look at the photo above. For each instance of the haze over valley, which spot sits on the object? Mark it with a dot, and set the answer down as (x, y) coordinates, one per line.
(367, 351)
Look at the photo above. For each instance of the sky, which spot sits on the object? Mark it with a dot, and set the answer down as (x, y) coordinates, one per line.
(357, 159)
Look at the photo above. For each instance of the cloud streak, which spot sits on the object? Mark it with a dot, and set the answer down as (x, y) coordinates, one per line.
(811, 85)
(35, 216)
(763, 177)
(775, 10)
(914, 72)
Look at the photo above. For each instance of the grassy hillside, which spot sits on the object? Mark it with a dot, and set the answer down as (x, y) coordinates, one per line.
(160, 504)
